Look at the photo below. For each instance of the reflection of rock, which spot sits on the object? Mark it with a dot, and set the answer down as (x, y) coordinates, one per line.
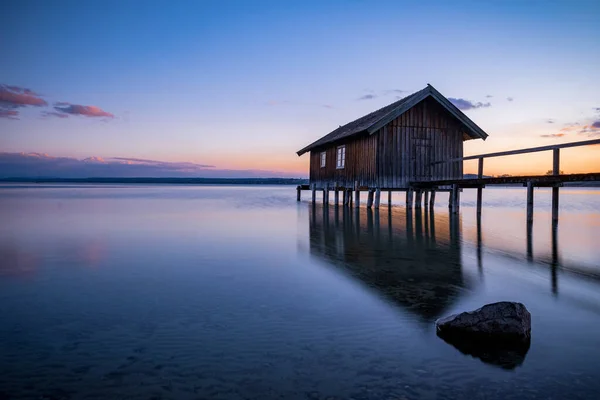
(505, 355)
(498, 333)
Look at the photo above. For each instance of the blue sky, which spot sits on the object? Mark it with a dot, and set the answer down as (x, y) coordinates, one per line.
(243, 85)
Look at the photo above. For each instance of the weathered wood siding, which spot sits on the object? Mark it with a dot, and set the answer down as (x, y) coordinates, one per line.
(359, 166)
(400, 152)
(407, 146)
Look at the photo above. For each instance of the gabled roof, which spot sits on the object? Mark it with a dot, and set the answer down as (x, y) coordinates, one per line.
(372, 122)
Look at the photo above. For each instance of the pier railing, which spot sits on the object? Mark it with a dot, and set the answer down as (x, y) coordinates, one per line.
(555, 149)
(555, 180)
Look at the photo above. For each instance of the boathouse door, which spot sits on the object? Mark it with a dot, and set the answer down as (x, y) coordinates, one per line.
(421, 159)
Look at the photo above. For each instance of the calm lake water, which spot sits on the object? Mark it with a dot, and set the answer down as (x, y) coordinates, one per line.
(216, 292)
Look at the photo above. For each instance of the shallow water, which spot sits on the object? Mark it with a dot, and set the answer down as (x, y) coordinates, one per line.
(191, 292)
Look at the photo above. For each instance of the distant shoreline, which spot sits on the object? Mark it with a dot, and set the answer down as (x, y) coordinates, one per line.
(180, 181)
(210, 181)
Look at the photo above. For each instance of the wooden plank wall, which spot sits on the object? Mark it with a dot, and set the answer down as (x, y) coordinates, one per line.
(359, 166)
(407, 145)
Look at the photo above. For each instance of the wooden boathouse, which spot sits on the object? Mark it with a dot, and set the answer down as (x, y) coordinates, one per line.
(392, 147)
(416, 145)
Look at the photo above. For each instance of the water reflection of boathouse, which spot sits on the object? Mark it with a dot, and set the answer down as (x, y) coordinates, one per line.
(411, 258)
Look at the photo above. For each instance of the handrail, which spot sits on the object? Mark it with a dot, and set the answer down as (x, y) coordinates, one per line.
(522, 151)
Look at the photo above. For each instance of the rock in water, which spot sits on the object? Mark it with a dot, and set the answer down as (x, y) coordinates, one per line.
(497, 334)
(502, 322)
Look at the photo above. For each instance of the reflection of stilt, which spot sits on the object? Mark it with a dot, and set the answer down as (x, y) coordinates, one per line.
(530, 241)
(370, 221)
(377, 226)
(390, 222)
(419, 225)
(479, 245)
(432, 222)
(409, 225)
(554, 257)
(454, 230)
(357, 220)
(426, 224)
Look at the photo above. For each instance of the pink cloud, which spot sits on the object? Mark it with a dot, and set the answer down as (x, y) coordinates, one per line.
(10, 114)
(77, 109)
(15, 96)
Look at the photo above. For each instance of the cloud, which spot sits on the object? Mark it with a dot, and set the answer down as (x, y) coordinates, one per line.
(41, 165)
(509, 98)
(464, 105)
(54, 114)
(15, 97)
(489, 96)
(291, 103)
(87, 111)
(10, 114)
(368, 96)
(154, 162)
(553, 135)
(550, 121)
(590, 129)
(393, 91)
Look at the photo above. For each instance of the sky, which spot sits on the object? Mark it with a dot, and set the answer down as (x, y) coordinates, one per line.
(235, 88)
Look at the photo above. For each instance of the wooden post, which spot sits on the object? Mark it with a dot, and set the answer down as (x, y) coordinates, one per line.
(370, 198)
(480, 189)
(409, 198)
(389, 198)
(314, 193)
(450, 198)
(345, 195)
(356, 195)
(377, 198)
(432, 199)
(418, 196)
(556, 172)
(350, 200)
(455, 199)
(326, 194)
(426, 198)
(298, 191)
(336, 196)
(529, 201)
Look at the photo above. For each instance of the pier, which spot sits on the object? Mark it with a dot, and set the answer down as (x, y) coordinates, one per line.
(422, 193)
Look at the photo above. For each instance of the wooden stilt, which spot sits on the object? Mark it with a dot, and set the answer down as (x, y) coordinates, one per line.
(314, 193)
(370, 198)
(426, 198)
(336, 196)
(409, 198)
(555, 171)
(450, 198)
(432, 199)
(418, 197)
(345, 196)
(356, 195)
(529, 201)
(389, 198)
(298, 193)
(455, 199)
(377, 198)
(326, 194)
(350, 198)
